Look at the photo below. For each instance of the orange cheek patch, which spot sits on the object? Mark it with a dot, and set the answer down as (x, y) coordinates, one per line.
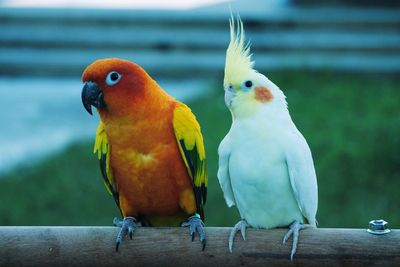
(262, 94)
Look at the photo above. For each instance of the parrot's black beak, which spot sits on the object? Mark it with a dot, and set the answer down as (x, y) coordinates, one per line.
(92, 96)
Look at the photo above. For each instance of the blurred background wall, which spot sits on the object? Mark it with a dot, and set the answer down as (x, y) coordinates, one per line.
(338, 63)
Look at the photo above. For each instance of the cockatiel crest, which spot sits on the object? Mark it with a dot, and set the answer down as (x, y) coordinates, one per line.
(246, 90)
(238, 61)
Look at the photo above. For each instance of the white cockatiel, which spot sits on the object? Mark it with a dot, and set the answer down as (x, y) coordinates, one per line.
(265, 165)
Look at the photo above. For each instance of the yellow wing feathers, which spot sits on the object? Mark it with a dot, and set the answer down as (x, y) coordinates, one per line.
(102, 149)
(187, 128)
(190, 142)
(189, 137)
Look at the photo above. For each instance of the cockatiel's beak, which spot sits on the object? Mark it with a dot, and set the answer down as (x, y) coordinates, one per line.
(229, 95)
(92, 96)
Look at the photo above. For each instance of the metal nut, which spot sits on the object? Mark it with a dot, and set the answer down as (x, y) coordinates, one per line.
(378, 227)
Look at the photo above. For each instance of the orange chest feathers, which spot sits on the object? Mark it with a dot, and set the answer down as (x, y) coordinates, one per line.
(148, 169)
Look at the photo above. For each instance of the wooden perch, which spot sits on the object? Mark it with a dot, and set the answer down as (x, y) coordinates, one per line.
(95, 246)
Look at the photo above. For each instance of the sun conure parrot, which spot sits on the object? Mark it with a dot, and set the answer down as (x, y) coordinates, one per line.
(150, 149)
(265, 165)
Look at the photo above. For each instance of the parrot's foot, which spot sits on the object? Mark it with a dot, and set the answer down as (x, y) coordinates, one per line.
(128, 225)
(195, 224)
(240, 226)
(294, 230)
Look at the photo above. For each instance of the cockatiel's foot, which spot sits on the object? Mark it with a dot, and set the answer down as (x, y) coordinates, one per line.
(294, 230)
(128, 225)
(195, 224)
(240, 226)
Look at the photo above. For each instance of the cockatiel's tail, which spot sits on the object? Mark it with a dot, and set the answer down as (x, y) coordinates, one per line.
(265, 164)
(149, 145)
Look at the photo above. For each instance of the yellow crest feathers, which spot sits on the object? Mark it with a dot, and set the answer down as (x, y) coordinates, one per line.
(238, 58)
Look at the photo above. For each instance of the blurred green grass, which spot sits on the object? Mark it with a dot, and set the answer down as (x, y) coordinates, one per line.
(351, 122)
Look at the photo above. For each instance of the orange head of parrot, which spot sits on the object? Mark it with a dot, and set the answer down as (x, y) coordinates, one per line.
(114, 85)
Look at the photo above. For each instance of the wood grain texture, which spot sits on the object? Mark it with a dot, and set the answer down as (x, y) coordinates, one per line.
(95, 246)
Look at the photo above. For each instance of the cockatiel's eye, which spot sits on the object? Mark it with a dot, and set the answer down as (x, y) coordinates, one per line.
(112, 78)
(247, 85)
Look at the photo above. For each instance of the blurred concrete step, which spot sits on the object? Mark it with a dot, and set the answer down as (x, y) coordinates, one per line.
(63, 42)
(286, 17)
(72, 62)
(196, 38)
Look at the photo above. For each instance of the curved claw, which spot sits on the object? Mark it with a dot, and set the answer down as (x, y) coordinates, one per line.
(192, 233)
(240, 226)
(130, 231)
(294, 230)
(203, 242)
(195, 224)
(128, 225)
(287, 235)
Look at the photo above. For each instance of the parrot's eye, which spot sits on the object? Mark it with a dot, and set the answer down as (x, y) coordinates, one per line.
(113, 77)
(247, 85)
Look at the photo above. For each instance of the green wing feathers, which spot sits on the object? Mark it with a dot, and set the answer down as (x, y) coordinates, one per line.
(102, 149)
(190, 141)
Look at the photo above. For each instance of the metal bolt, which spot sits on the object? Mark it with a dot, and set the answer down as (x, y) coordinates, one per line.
(378, 227)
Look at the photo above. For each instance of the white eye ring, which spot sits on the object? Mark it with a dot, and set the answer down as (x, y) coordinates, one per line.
(113, 77)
